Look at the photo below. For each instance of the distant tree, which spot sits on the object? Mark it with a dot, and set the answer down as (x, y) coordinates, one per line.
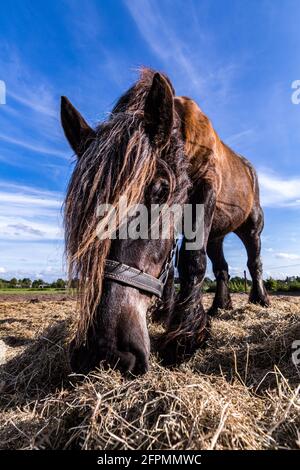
(283, 285)
(26, 282)
(59, 284)
(271, 284)
(37, 283)
(4, 283)
(294, 286)
(237, 279)
(13, 282)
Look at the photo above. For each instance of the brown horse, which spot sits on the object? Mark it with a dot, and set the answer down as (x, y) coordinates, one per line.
(154, 148)
(226, 183)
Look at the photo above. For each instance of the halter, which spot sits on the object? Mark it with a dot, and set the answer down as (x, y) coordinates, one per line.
(133, 277)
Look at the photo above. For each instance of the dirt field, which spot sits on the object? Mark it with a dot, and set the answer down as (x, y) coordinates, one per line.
(241, 392)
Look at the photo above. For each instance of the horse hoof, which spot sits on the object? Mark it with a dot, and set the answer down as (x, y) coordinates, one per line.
(223, 305)
(213, 311)
(262, 300)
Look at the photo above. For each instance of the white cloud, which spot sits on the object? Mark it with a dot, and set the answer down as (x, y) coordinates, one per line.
(2, 270)
(235, 139)
(30, 120)
(288, 256)
(27, 86)
(16, 188)
(24, 229)
(41, 101)
(27, 258)
(23, 200)
(29, 213)
(34, 147)
(279, 191)
(236, 270)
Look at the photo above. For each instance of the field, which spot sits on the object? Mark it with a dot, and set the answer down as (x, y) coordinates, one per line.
(241, 392)
(7, 293)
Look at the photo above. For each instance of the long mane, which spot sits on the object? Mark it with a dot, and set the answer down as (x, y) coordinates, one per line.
(119, 162)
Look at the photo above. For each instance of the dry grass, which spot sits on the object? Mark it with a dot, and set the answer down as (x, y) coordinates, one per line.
(241, 392)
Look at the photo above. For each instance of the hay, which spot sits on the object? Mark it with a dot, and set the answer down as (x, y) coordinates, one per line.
(241, 392)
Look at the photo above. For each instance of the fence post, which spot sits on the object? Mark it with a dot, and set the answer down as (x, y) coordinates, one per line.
(245, 282)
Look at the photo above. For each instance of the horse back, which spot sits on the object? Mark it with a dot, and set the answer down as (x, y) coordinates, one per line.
(232, 177)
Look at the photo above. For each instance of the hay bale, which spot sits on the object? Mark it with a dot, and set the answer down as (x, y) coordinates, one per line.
(241, 392)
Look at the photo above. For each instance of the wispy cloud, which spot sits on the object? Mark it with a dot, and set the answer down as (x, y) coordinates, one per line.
(288, 256)
(30, 119)
(235, 139)
(32, 259)
(26, 86)
(23, 228)
(29, 214)
(162, 38)
(25, 189)
(278, 191)
(190, 67)
(34, 147)
(42, 101)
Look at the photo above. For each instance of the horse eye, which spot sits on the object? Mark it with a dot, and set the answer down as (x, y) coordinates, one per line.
(160, 190)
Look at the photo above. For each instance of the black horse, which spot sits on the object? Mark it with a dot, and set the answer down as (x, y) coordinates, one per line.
(155, 148)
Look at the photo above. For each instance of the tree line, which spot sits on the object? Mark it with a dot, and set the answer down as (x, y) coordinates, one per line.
(27, 283)
(236, 284)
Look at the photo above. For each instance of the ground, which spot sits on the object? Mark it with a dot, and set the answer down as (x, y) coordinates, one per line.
(240, 392)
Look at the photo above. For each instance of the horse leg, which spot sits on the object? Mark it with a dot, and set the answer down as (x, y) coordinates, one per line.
(188, 325)
(250, 234)
(220, 268)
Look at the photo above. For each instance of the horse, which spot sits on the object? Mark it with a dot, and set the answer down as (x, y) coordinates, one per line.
(155, 148)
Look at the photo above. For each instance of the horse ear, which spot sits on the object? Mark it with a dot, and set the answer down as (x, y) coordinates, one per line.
(78, 133)
(158, 111)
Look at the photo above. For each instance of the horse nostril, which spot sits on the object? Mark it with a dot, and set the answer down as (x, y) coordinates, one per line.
(125, 361)
(141, 368)
(134, 363)
(141, 363)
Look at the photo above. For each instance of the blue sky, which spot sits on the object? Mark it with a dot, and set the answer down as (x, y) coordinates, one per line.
(237, 59)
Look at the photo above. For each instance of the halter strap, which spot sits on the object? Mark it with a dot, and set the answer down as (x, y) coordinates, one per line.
(130, 276)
